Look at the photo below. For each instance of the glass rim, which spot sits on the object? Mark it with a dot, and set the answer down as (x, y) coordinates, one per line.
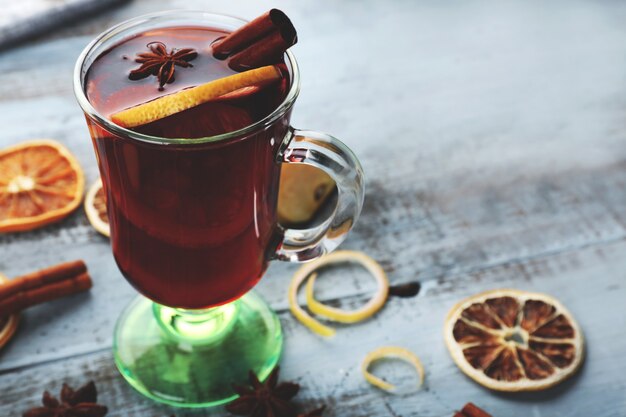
(124, 26)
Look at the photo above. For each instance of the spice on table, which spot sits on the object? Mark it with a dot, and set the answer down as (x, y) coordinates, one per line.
(471, 410)
(314, 413)
(410, 289)
(44, 285)
(82, 402)
(8, 324)
(268, 398)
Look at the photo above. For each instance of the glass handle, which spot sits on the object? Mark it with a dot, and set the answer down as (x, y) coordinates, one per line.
(329, 154)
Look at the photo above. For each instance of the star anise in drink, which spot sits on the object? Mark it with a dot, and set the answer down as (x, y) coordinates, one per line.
(74, 403)
(161, 63)
(264, 399)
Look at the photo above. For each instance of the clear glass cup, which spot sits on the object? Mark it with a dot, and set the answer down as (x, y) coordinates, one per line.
(189, 353)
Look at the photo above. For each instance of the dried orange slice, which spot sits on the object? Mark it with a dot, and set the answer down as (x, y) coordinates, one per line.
(303, 189)
(96, 209)
(40, 182)
(191, 97)
(510, 340)
(8, 325)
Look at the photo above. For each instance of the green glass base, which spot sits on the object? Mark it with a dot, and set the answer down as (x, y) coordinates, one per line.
(191, 358)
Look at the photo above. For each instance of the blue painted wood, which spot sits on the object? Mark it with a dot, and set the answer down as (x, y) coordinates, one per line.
(492, 136)
(27, 19)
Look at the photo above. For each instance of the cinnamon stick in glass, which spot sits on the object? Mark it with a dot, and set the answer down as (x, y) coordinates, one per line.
(251, 32)
(264, 52)
(257, 43)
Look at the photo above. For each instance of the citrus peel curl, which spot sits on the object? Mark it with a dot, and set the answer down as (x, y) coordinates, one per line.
(390, 352)
(307, 271)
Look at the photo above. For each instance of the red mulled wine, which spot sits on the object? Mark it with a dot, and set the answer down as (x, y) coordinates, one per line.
(192, 225)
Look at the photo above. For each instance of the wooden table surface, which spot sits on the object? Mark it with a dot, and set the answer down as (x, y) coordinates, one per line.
(493, 137)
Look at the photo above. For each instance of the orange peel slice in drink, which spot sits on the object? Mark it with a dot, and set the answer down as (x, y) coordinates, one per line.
(308, 271)
(185, 99)
(96, 209)
(40, 182)
(385, 352)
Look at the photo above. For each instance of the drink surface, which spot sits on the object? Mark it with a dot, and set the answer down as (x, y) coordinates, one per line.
(192, 226)
(109, 88)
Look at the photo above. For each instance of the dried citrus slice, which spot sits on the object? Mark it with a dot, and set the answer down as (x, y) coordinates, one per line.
(390, 352)
(191, 97)
(303, 190)
(8, 325)
(509, 340)
(307, 271)
(40, 182)
(96, 209)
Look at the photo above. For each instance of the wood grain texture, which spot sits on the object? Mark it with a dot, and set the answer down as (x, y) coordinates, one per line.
(29, 18)
(495, 157)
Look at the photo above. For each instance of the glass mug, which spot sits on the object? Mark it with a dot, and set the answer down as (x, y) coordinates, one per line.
(193, 227)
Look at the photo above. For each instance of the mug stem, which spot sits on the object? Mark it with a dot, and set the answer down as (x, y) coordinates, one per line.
(191, 358)
(197, 327)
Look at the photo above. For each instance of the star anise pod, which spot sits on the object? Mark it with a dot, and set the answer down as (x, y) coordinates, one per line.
(314, 413)
(74, 403)
(265, 399)
(162, 64)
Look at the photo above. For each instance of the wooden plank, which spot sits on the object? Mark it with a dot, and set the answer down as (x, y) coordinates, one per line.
(416, 233)
(329, 369)
(418, 229)
(494, 155)
(29, 18)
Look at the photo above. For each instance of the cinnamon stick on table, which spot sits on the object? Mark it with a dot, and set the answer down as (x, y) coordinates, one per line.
(44, 285)
(257, 43)
(470, 410)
